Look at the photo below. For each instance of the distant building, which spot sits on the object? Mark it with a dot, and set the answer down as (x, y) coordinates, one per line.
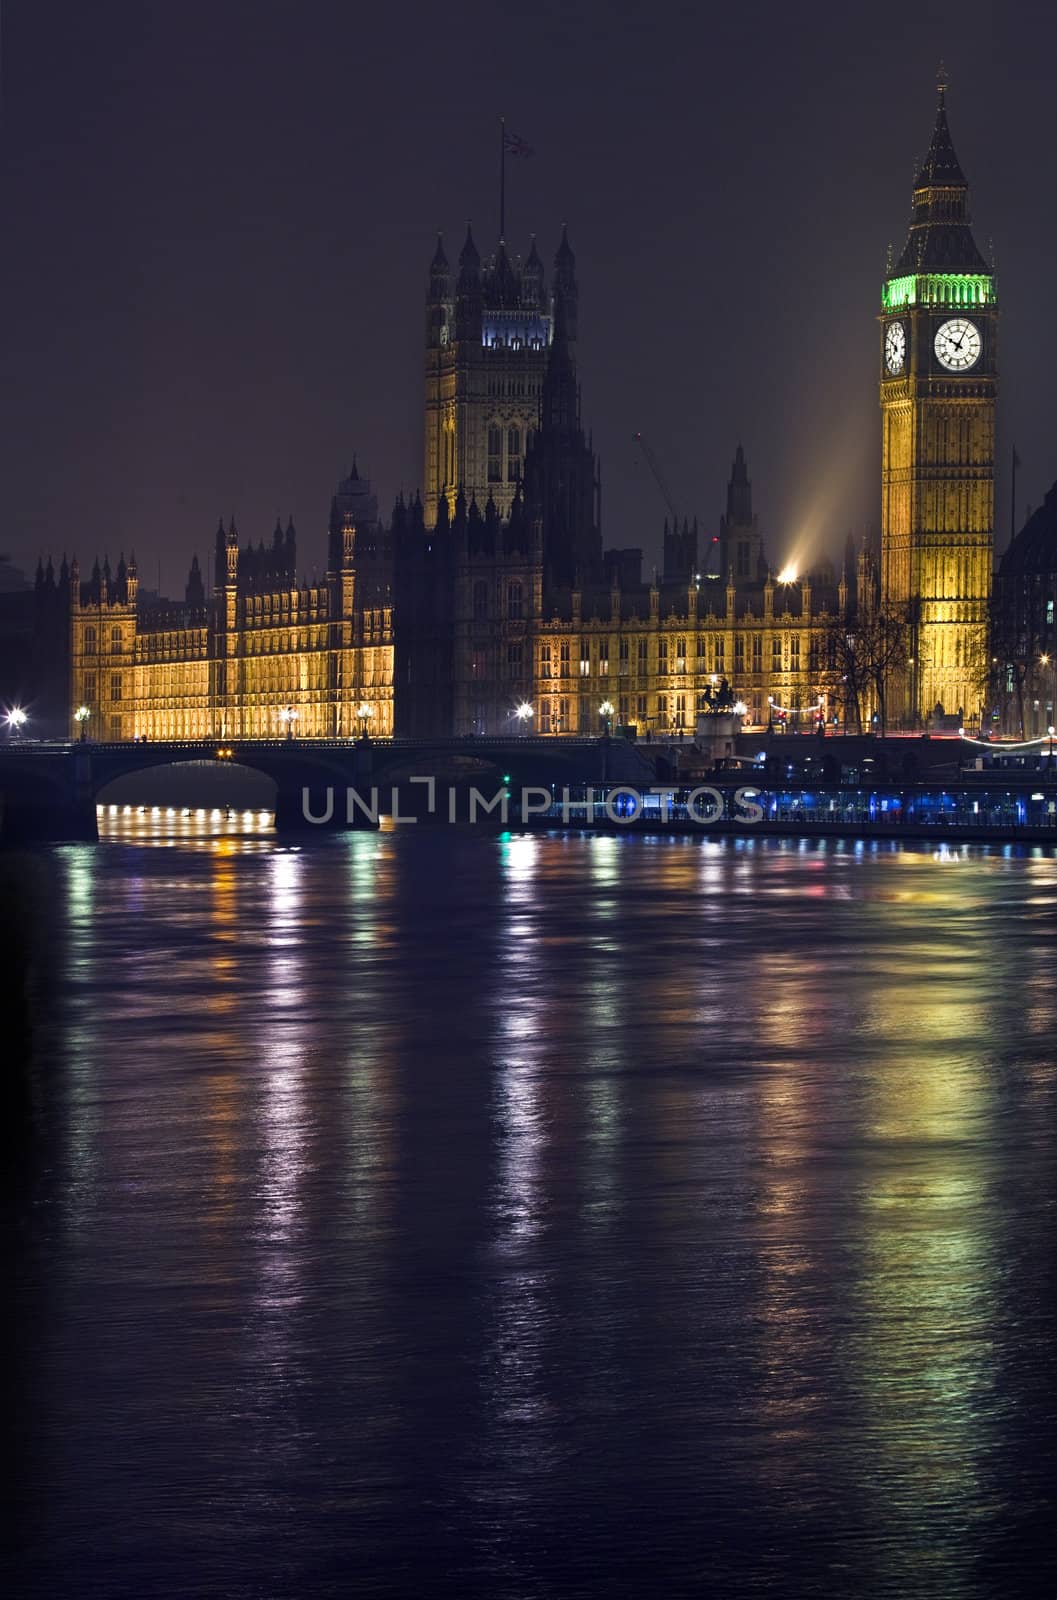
(1024, 643)
(260, 654)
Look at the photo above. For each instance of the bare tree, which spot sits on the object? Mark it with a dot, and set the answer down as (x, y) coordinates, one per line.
(865, 657)
(887, 640)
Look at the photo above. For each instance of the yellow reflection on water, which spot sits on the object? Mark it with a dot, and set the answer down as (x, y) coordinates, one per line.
(201, 827)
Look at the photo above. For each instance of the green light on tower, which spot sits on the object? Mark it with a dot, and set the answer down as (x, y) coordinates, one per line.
(939, 289)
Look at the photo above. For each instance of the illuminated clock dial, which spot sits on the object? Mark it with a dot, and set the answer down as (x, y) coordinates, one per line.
(957, 344)
(895, 347)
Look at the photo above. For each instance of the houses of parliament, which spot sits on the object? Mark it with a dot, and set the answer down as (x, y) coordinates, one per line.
(489, 601)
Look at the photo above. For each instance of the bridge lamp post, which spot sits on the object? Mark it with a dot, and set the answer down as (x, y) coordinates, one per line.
(363, 717)
(606, 712)
(1045, 661)
(16, 721)
(524, 714)
(288, 717)
(81, 716)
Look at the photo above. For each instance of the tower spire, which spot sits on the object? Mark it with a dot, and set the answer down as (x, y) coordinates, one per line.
(940, 239)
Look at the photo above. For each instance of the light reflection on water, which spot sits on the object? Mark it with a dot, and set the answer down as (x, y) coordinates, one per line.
(207, 826)
(539, 1215)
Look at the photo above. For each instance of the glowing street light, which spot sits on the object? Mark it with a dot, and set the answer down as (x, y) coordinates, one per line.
(288, 717)
(606, 709)
(16, 721)
(524, 714)
(1044, 661)
(81, 716)
(363, 717)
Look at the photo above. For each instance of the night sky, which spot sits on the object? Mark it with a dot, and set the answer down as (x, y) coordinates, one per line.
(217, 222)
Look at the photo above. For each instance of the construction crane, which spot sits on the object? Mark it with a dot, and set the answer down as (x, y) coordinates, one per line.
(651, 462)
(712, 560)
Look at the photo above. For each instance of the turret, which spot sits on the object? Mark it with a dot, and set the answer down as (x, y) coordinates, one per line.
(194, 591)
(232, 555)
(560, 397)
(532, 280)
(220, 559)
(439, 302)
(468, 292)
(504, 287)
(740, 546)
(566, 286)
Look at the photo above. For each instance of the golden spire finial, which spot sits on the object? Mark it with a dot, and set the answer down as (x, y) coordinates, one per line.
(942, 81)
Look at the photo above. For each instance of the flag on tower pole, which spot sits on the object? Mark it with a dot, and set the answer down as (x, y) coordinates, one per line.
(509, 144)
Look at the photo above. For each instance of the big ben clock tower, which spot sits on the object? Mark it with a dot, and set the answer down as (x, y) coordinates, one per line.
(938, 353)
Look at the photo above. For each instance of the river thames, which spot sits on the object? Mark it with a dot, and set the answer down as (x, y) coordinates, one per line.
(531, 1217)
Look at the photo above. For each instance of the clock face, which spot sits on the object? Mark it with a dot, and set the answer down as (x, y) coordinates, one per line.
(895, 347)
(957, 344)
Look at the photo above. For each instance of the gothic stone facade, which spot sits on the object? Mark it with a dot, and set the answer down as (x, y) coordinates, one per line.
(938, 384)
(262, 646)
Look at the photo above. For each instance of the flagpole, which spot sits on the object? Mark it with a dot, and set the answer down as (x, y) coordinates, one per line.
(502, 178)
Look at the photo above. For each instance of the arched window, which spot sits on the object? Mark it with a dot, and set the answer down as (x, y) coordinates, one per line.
(513, 602)
(495, 454)
(89, 641)
(480, 601)
(115, 641)
(513, 455)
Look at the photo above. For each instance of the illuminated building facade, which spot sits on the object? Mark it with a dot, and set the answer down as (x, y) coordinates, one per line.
(488, 330)
(489, 604)
(263, 655)
(511, 616)
(938, 385)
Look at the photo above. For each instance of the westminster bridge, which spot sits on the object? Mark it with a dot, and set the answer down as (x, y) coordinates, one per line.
(49, 791)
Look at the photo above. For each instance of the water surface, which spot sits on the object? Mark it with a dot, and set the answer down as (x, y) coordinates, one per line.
(438, 1213)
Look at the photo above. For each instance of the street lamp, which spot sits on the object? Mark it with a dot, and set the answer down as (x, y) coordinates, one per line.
(1045, 661)
(16, 721)
(81, 716)
(288, 717)
(363, 717)
(606, 710)
(523, 713)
